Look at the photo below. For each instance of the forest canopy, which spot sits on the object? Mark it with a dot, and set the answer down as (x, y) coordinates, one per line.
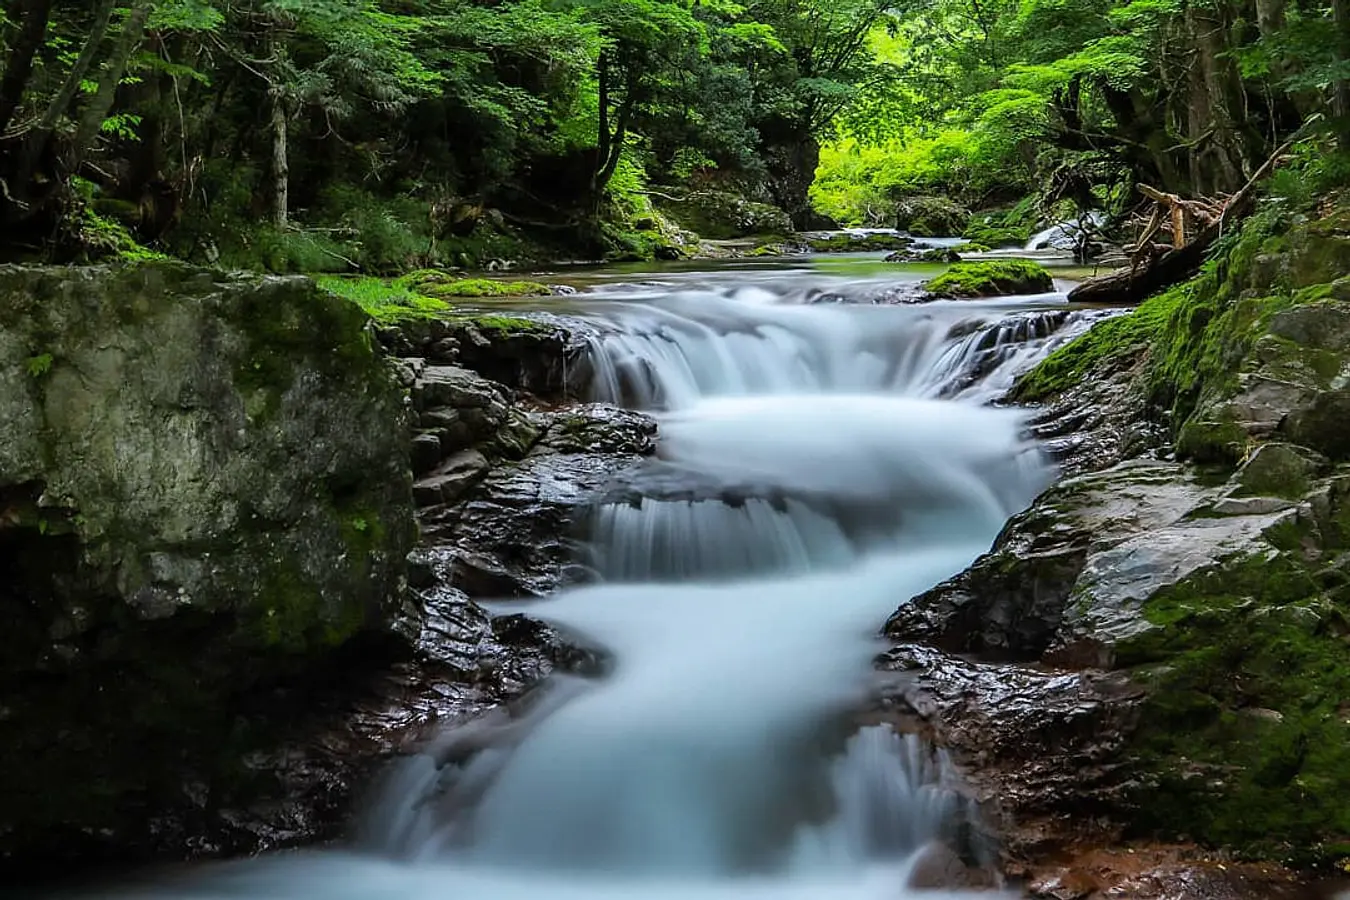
(381, 135)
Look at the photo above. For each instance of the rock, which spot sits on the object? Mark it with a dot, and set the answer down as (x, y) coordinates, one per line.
(923, 255)
(855, 241)
(539, 353)
(205, 503)
(1039, 749)
(451, 479)
(1278, 470)
(1165, 872)
(721, 214)
(1321, 424)
(991, 278)
(514, 535)
(936, 866)
(931, 217)
(426, 452)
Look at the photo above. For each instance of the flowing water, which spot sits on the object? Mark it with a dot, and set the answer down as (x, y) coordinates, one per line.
(714, 759)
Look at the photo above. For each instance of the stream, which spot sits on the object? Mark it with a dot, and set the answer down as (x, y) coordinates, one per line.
(822, 458)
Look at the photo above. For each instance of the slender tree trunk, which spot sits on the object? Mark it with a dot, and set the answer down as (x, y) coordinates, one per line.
(602, 137)
(33, 17)
(91, 121)
(281, 168)
(1340, 15)
(75, 77)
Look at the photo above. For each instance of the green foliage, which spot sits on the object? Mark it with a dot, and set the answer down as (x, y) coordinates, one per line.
(39, 365)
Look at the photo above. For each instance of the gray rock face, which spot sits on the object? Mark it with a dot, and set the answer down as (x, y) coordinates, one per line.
(204, 499)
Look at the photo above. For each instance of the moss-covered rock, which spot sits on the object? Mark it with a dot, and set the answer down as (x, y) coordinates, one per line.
(218, 503)
(931, 216)
(991, 278)
(1217, 585)
(855, 242)
(722, 215)
(479, 287)
(924, 255)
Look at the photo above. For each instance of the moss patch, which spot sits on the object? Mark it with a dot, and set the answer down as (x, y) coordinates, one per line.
(1119, 337)
(845, 242)
(991, 278)
(1245, 740)
(484, 287)
(383, 300)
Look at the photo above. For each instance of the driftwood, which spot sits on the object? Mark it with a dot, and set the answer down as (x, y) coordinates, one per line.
(1149, 273)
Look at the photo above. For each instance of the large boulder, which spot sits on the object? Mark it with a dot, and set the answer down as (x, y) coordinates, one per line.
(991, 278)
(931, 216)
(723, 214)
(205, 509)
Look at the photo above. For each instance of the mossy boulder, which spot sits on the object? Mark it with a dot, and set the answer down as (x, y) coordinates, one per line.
(204, 499)
(855, 242)
(924, 255)
(1278, 470)
(723, 215)
(991, 278)
(931, 216)
(472, 288)
(997, 235)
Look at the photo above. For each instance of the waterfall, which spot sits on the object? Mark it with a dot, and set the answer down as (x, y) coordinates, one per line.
(818, 464)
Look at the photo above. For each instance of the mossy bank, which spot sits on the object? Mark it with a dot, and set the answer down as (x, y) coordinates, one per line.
(1243, 737)
(205, 499)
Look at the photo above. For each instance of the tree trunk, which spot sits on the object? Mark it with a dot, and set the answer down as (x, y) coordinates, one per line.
(33, 16)
(91, 121)
(281, 167)
(75, 77)
(1340, 15)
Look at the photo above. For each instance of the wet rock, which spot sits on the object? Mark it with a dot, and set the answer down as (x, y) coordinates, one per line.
(206, 510)
(514, 535)
(1166, 872)
(937, 867)
(542, 354)
(922, 254)
(451, 479)
(1040, 749)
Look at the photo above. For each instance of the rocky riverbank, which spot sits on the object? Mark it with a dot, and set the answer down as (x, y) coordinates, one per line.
(1157, 648)
(210, 491)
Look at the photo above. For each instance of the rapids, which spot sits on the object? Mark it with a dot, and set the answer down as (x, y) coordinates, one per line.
(715, 758)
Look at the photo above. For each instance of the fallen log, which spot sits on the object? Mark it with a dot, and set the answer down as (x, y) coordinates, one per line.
(1135, 283)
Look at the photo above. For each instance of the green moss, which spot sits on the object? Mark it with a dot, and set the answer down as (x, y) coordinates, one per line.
(506, 325)
(844, 242)
(1245, 739)
(286, 323)
(991, 278)
(1213, 442)
(997, 236)
(1117, 338)
(381, 299)
(485, 287)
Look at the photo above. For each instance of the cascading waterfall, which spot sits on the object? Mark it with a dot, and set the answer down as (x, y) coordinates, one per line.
(715, 758)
